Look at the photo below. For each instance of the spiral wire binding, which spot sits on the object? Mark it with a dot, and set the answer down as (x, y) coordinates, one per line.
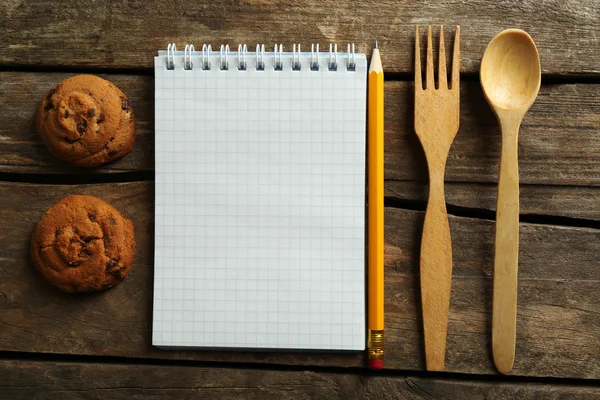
(333, 58)
(314, 58)
(205, 55)
(260, 57)
(171, 49)
(351, 58)
(223, 63)
(278, 64)
(242, 57)
(296, 62)
(242, 65)
(187, 57)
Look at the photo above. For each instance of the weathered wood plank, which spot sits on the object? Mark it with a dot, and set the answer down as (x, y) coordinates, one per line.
(558, 324)
(66, 380)
(562, 201)
(558, 143)
(126, 34)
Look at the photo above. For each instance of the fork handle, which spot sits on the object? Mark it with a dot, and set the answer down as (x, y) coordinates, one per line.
(506, 257)
(436, 272)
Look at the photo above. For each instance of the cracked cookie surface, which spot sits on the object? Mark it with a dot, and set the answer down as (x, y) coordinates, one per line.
(86, 121)
(82, 244)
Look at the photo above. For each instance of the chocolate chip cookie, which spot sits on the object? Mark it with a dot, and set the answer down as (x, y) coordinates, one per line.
(86, 121)
(82, 244)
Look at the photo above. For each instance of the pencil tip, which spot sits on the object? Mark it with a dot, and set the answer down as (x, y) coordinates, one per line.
(376, 46)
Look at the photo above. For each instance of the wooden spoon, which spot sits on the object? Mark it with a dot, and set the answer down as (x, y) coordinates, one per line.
(510, 77)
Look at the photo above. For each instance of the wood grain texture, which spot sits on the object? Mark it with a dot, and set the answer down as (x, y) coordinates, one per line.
(558, 145)
(558, 141)
(558, 329)
(437, 115)
(126, 34)
(25, 380)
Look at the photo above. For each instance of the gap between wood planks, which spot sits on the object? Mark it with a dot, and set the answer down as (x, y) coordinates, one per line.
(481, 213)
(82, 178)
(365, 372)
(390, 201)
(474, 77)
(416, 205)
(389, 76)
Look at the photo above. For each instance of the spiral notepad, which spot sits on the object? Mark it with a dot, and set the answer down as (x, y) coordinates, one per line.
(260, 199)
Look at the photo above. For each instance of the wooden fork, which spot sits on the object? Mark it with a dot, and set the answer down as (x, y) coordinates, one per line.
(436, 124)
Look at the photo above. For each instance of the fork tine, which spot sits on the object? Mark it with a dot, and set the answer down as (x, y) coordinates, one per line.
(418, 72)
(456, 59)
(442, 77)
(429, 82)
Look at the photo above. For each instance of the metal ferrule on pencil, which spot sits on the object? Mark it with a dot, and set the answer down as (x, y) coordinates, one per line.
(375, 344)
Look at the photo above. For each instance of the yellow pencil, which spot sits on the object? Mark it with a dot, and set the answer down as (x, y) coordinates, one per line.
(375, 213)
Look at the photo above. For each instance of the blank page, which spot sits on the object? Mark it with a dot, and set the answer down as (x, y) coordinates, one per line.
(260, 205)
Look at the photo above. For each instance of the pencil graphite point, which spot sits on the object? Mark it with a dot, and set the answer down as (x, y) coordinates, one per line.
(375, 60)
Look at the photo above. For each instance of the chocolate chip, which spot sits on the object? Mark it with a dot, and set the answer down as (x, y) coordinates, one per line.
(124, 103)
(92, 217)
(113, 153)
(85, 253)
(87, 239)
(51, 92)
(106, 240)
(48, 105)
(67, 114)
(82, 126)
(91, 113)
(70, 141)
(97, 130)
(100, 118)
(58, 232)
(110, 265)
(111, 219)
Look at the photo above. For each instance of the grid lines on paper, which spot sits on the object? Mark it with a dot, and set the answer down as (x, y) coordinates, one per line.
(259, 219)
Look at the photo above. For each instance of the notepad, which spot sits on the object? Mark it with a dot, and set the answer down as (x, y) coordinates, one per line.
(259, 199)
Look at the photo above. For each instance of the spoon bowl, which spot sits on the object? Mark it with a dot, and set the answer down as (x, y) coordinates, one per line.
(510, 71)
(510, 78)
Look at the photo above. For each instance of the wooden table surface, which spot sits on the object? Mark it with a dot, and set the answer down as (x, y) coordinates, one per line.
(60, 346)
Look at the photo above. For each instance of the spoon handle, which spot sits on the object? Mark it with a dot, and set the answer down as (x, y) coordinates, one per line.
(506, 259)
(436, 272)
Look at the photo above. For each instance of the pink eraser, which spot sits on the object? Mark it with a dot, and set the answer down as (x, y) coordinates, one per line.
(376, 365)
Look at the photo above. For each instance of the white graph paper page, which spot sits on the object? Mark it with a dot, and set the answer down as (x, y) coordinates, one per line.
(260, 199)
